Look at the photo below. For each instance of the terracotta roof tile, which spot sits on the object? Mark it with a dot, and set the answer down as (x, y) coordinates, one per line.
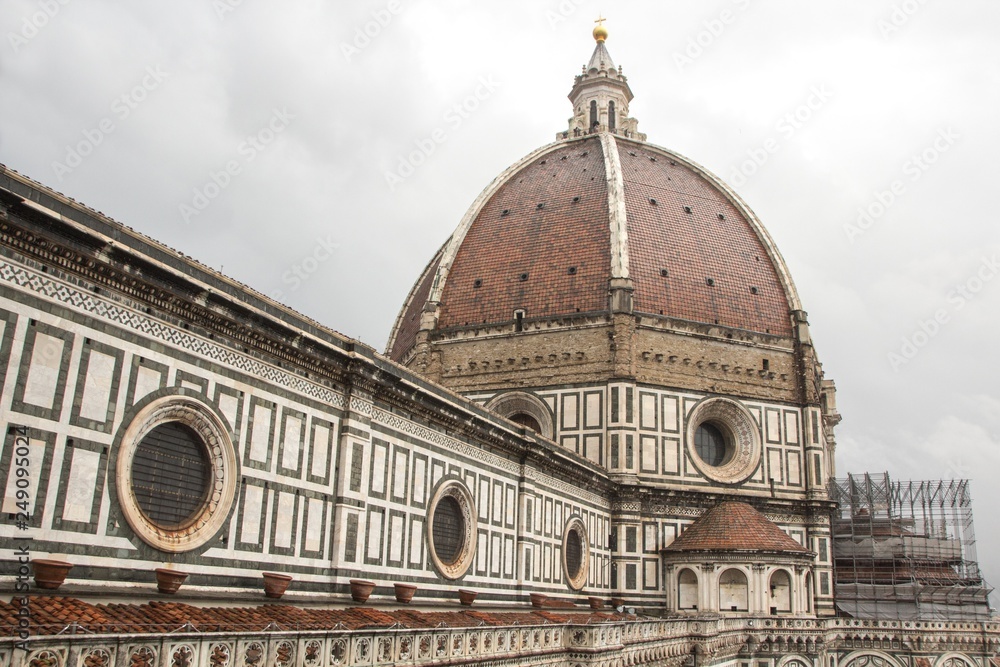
(51, 614)
(694, 247)
(553, 214)
(544, 233)
(734, 526)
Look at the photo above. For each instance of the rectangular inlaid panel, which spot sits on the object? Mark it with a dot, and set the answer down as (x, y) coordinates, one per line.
(97, 386)
(379, 468)
(292, 432)
(253, 508)
(774, 466)
(647, 410)
(570, 412)
(593, 410)
(791, 427)
(320, 451)
(647, 448)
(315, 526)
(285, 520)
(400, 474)
(261, 432)
(84, 470)
(592, 449)
(669, 420)
(416, 542)
(374, 536)
(43, 370)
(419, 481)
(44, 366)
(794, 469)
(772, 430)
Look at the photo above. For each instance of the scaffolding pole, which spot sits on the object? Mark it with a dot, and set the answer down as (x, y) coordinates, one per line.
(906, 550)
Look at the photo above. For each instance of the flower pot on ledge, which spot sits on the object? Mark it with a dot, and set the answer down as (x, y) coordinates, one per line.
(538, 599)
(50, 574)
(275, 584)
(168, 581)
(595, 602)
(404, 592)
(361, 589)
(466, 597)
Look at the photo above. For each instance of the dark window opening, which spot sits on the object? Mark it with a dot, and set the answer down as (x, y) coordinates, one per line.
(171, 475)
(448, 530)
(611, 116)
(574, 553)
(527, 421)
(710, 444)
(594, 122)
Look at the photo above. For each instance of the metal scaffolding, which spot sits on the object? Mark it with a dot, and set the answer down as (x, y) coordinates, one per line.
(906, 550)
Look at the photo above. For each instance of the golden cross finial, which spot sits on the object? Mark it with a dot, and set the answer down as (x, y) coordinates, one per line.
(600, 32)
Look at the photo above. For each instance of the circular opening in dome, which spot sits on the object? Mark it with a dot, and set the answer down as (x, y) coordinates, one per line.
(449, 530)
(171, 475)
(712, 444)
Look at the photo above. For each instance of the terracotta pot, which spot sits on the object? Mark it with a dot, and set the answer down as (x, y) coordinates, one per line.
(50, 574)
(538, 599)
(275, 584)
(617, 602)
(168, 581)
(361, 589)
(467, 597)
(404, 592)
(595, 602)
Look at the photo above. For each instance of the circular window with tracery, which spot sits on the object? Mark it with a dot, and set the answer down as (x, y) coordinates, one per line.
(176, 473)
(576, 553)
(723, 440)
(451, 522)
(171, 475)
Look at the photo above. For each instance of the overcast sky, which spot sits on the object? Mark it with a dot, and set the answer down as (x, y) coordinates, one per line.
(275, 142)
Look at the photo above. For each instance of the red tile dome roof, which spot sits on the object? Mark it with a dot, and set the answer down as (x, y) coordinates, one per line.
(548, 235)
(734, 526)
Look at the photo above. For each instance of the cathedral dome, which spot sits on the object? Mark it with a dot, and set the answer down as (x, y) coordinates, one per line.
(553, 233)
(602, 256)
